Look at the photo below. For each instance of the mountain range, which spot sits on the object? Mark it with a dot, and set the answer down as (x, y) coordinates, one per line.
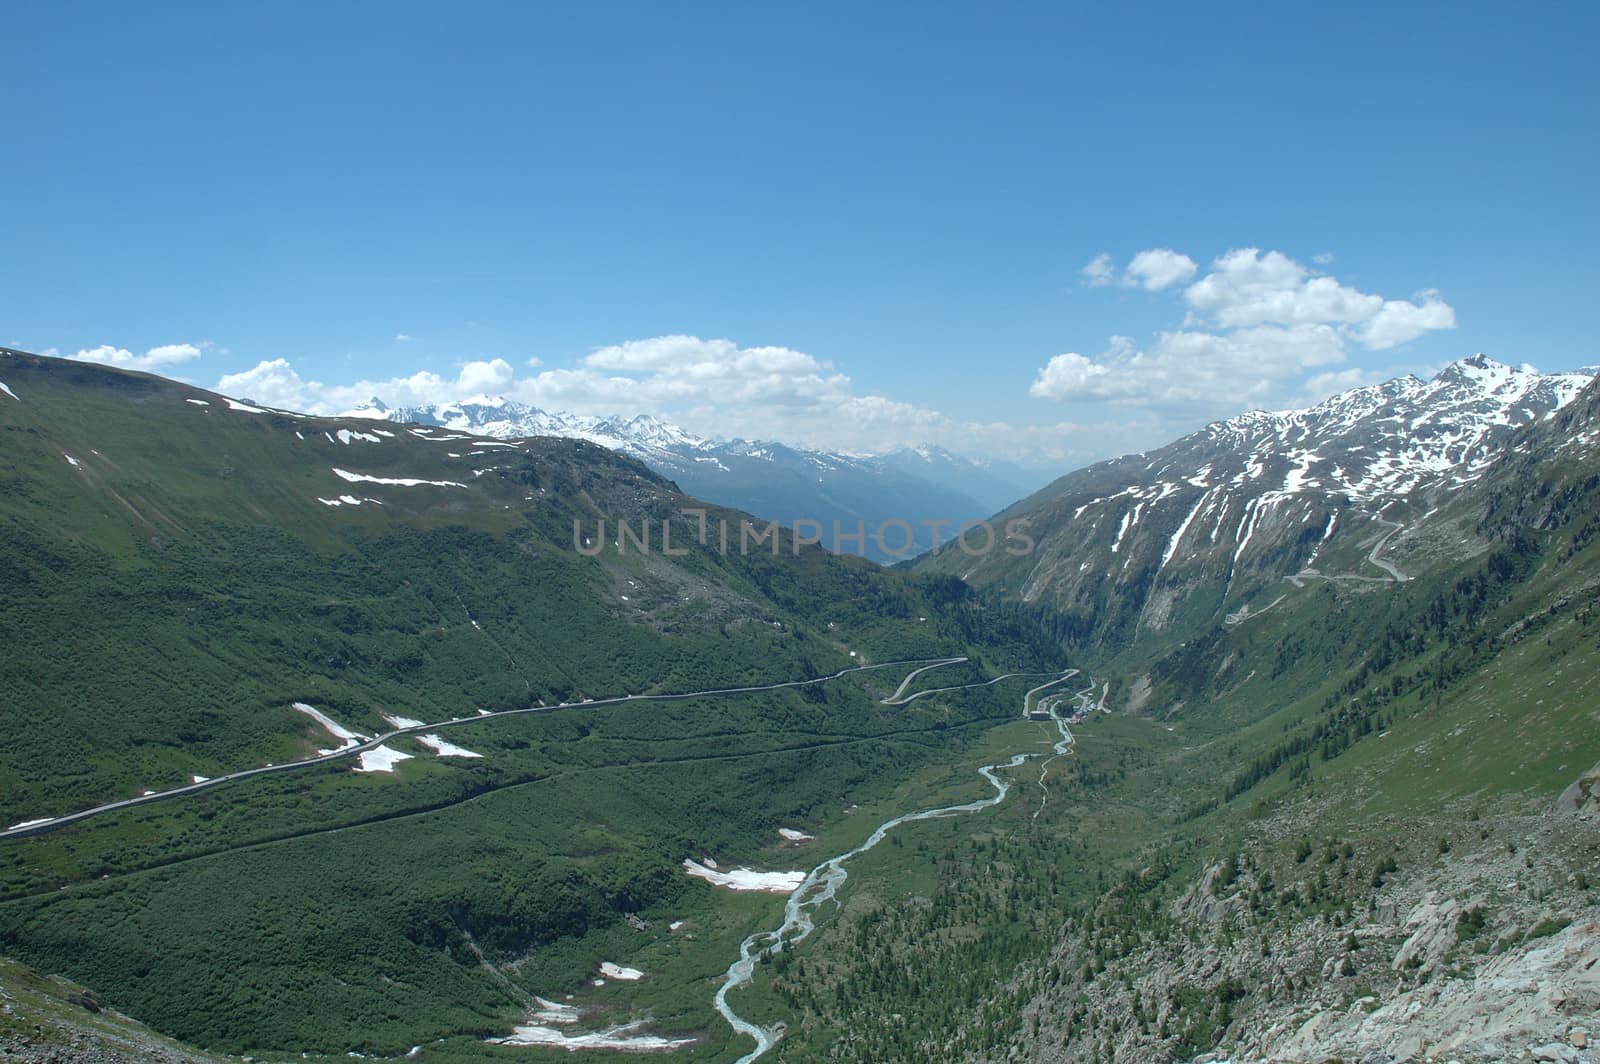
(1316, 776)
(214, 611)
(1210, 523)
(771, 480)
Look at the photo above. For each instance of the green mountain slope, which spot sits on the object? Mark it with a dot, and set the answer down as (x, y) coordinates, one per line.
(1359, 825)
(177, 577)
(1357, 818)
(1378, 828)
(1161, 546)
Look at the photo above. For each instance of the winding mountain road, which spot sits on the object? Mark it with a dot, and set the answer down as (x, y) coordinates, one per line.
(43, 825)
(1395, 576)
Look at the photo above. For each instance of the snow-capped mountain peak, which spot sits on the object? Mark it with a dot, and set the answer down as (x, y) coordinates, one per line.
(1244, 503)
(1384, 440)
(373, 409)
(771, 480)
(646, 430)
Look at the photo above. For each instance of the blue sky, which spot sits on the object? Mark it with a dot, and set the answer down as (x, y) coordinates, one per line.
(875, 221)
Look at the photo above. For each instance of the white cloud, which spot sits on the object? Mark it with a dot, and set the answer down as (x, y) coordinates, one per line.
(1100, 271)
(1201, 369)
(484, 378)
(402, 338)
(718, 388)
(1159, 268)
(122, 358)
(1323, 258)
(1249, 287)
(1072, 376)
(711, 387)
(275, 382)
(1253, 326)
(686, 369)
(714, 387)
(1267, 350)
(1398, 321)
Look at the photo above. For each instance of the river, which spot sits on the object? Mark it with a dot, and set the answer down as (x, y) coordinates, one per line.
(822, 884)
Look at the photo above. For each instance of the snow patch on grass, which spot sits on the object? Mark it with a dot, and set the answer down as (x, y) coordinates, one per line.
(445, 749)
(554, 1011)
(381, 759)
(793, 835)
(332, 727)
(620, 1038)
(402, 482)
(403, 722)
(243, 408)
(8, 391)
(617, 971)
(746, 879)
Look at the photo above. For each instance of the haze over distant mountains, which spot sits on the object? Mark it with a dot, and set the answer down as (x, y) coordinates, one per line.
(1365, 448)
(771, 480)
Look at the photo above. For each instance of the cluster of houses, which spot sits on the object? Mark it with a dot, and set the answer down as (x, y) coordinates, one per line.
(1044, 710)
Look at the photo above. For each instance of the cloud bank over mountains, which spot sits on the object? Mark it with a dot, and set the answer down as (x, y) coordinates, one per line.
(1251, 328)
(714, 388)
(1256, 327)
(153, 360)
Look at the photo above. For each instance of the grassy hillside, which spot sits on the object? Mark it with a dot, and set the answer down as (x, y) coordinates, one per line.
(177, 577)
(1328, 818)
(1333, 828)
(174, 582)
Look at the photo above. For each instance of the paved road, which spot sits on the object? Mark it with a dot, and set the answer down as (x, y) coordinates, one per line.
(1244, 613)
(896, 699)
(41, 827)
(1383, 542)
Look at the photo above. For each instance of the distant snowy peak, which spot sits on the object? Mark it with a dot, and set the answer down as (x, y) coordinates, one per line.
(645, 437)
(1381, 440)
(1245, 502)
(668, 448)
(771, 480)
(644, 430)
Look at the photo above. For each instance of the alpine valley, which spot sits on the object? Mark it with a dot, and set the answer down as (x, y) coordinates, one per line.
(326, 739)
(858, 494)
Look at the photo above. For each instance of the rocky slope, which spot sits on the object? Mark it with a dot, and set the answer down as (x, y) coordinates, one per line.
(1487, 951)
(49, 1020)
(1185, 534)
(1409, 874)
